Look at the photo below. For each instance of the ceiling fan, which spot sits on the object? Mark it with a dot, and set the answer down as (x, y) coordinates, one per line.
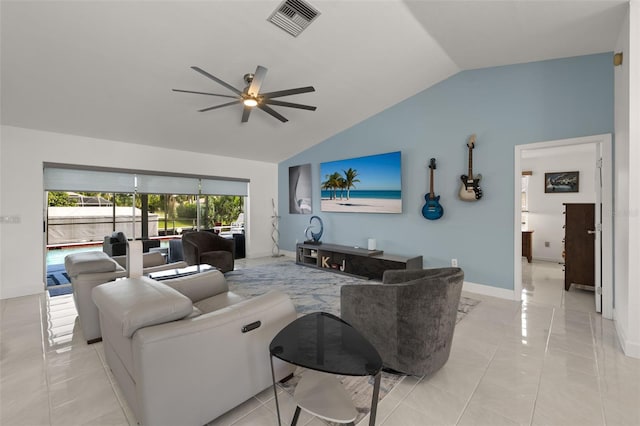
(251, 97)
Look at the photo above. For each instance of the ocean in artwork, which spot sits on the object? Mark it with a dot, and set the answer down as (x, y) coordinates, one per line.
(363, 193)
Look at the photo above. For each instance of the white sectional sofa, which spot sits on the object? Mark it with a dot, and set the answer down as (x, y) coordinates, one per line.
(187, 350)
(88, 269)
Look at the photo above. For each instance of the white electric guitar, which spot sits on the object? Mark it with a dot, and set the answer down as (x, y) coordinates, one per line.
(470, 189)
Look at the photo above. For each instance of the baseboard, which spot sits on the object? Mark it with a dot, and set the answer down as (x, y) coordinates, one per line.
(269, 254)
(488, 290)
(630, 349)
(548, 259)
(288, 253)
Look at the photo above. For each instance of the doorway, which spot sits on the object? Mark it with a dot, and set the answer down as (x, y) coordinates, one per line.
(603, 187)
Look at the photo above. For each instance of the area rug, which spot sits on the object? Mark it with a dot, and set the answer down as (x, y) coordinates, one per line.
(310, 289)
(58, 281)
(57, 275)
(59, 290)
(360, 389)
(313, 290)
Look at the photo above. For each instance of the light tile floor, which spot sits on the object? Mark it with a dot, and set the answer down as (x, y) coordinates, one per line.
(548, 361)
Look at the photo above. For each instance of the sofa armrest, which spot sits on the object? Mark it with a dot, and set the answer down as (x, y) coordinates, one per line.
(88, 262)
(191, 252)
(82, 286)
(187, 360)
(135, 303)
(122, 260)
(152, 259)
(397, 276)
(199, 286)
(228, 245)
(95, 278)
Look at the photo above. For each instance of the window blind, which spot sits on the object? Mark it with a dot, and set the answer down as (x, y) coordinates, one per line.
(154, 184)
(76, 178)
(224, 187)
(64, 179)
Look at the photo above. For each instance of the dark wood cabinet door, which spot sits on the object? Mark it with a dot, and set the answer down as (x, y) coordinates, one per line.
(527, 245)
(579, 244)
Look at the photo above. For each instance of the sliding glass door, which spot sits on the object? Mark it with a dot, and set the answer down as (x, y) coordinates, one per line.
(85, 205)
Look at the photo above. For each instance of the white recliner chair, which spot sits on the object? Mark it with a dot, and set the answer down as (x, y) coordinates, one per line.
(187, 350)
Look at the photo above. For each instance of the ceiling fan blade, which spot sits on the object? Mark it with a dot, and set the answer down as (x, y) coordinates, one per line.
(289, 104)
(258, 79)
(288, 92)
(203, 93)
(272, 112)
(245, 114)
(219, 106)
(217, 80)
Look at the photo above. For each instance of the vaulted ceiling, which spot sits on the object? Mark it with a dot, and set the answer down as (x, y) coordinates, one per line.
(105, 69)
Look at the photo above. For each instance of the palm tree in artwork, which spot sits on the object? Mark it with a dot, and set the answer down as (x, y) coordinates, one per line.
(350, 179)
(326, 185)
(342, 185)
(336, 183)
(332, 183)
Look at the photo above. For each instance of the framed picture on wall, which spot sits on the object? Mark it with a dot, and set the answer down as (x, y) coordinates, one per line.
(300, 189)
(561, 182)
(371, 184)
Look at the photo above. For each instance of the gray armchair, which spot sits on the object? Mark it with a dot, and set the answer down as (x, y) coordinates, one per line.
(409, 317)
(205, 247)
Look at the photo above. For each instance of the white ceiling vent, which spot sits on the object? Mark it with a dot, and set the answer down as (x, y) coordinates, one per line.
(293, 16)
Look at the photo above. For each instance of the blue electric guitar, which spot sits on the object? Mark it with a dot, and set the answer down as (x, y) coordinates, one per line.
(432, 209)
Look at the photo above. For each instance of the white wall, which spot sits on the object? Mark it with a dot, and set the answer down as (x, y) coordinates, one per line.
(23, 152)
(1, 208)
(632, 344)
(627, 185)
(546, 216)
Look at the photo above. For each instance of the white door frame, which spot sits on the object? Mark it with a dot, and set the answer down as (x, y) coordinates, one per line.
(604, 141)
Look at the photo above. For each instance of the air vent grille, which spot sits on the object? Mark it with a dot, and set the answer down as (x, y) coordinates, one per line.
(293, 16)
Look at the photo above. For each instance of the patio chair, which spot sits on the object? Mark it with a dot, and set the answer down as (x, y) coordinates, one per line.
(116, 244)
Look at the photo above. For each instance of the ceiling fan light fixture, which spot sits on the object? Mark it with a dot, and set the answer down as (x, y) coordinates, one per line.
(252, 97)
(250, 102)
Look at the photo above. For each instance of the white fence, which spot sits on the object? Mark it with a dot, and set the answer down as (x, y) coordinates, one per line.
(85, 224)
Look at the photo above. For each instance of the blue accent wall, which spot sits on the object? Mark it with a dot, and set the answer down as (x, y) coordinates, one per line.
(504, 106)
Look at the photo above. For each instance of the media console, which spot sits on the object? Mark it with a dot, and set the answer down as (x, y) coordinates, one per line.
(353, 260)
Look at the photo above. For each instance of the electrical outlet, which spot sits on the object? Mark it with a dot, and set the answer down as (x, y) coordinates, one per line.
(454, 262)
(9, 219)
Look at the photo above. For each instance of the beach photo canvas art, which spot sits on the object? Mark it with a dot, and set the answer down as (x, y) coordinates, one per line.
(371, 184)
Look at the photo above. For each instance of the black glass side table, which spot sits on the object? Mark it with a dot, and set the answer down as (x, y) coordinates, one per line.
(323, 342)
